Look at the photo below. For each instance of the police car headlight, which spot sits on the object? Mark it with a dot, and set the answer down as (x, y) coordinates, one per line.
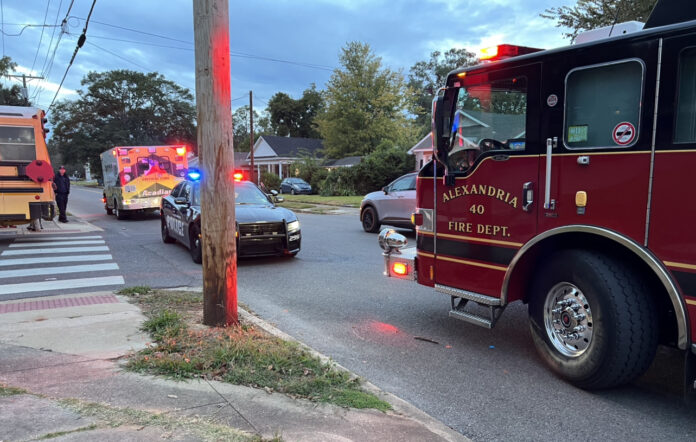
(293, 226)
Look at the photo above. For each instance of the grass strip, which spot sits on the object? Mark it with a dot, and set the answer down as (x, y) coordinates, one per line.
(241, 355)
(343, 201)
(6, 390)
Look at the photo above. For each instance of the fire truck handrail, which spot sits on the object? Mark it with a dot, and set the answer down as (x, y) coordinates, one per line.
(647, 257)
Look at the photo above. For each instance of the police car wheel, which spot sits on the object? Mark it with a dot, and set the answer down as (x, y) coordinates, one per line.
(592, 319)
(195, 245)
(166, 237)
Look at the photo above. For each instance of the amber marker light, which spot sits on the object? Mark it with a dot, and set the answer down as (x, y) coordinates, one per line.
(400, 268)
(461, 75)
(417, 219)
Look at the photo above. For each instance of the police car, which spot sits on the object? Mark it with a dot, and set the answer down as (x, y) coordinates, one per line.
(263, 229)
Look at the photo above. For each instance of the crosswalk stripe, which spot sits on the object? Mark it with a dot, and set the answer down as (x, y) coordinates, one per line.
(58, 243)
(54, 238)
(57, 270)
(8, 289)
(54, 260)
(55, 250)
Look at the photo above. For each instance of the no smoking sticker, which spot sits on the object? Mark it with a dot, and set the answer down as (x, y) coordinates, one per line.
(624, 133)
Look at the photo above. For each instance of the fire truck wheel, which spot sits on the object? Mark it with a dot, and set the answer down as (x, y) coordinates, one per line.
(166, 237)
(592, 319)
(370, 221)
(195, 244)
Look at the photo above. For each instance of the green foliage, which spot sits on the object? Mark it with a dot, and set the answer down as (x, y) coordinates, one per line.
(124, 108)
(163, 324)
(592, 14)
(10, 96)
(374, 172)
(270, 180)
(242, 132)
(135, 290)
(366, 104)
(426, 77)
(295, 118)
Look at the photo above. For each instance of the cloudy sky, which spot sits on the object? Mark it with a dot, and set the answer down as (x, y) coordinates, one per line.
(279, 45)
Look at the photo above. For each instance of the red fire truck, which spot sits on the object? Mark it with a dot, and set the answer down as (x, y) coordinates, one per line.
(563, 179)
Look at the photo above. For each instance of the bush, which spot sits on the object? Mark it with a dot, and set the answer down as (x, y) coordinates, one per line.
(375, 171)
(270, 180)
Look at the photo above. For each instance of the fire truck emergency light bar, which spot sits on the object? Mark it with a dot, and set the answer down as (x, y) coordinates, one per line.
(501, 52)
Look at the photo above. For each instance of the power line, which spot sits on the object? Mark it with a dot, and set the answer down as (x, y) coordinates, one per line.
(137, 31)
(118, 56)
(40, 38)
(80, 43)
(2, 19)
(63, 30)
(44, 66)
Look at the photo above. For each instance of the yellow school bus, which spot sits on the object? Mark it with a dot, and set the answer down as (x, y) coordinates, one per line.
(26, 191)
(137, 177)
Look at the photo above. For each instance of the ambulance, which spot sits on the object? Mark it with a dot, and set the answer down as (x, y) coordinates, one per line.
(137, 177)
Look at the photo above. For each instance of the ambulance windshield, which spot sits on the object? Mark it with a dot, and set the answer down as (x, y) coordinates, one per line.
(489, 116)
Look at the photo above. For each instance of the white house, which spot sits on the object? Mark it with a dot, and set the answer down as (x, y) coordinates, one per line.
(423, 151)
(276, 154)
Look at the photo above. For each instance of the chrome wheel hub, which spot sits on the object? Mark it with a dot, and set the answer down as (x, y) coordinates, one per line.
(568, 319)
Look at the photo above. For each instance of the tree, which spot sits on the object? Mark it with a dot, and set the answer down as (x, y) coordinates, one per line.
(366, 104)
(10, 96)
(295, 118)
(124, 108)
(240, 120)
(591, 14)
(427, 76)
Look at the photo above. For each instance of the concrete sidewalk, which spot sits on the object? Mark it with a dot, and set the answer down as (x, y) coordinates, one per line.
(74, 225)
(60, 378)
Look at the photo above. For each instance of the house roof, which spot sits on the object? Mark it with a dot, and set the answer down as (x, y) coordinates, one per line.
(240, 159)
(343, 162)
(294, 147)
(424, 144)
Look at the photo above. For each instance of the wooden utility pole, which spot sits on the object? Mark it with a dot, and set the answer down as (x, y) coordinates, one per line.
(251, 136)
(213, 103)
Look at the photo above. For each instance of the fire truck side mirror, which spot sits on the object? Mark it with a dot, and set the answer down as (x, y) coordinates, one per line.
(440, 131)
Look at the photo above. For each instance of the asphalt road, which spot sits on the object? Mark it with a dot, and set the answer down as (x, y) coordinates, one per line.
(486, 384)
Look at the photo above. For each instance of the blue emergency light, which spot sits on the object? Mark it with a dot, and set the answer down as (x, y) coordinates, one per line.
(194, 175)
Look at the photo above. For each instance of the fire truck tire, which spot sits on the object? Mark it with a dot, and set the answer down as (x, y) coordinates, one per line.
(370, 220)
(592, 319)
(166, 237)
(195, 244)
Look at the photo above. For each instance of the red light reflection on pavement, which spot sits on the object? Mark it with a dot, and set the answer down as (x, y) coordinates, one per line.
(383, 327)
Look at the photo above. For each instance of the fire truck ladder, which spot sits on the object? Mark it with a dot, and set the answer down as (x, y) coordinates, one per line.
(461, 298)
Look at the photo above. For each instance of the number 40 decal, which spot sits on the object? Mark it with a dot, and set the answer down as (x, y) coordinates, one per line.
(477, 209)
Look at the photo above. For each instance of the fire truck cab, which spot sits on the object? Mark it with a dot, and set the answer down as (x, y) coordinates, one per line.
(562, 179)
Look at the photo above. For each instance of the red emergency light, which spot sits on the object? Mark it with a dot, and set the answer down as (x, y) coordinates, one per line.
(181, 151)
(238, 176)
(501, 52)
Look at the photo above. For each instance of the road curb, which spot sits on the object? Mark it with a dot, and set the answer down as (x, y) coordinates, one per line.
(400, 406)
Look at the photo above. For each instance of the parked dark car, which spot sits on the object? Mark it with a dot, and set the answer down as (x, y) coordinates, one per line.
(392, 205)
(263, 229)
(295, 186)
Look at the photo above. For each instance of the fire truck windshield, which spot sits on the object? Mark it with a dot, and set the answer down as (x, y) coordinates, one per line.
(17, 143)
(490, 116)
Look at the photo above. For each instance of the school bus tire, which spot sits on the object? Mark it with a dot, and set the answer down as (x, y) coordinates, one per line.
(623, 328)
(166, 237)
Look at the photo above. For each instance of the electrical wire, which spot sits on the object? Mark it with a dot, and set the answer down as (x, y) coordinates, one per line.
(80, 41)
(2, 20)
(118, 56)
(40, 38)
(44, 68)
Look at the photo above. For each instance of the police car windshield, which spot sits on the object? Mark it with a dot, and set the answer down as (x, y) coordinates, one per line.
(244, 193)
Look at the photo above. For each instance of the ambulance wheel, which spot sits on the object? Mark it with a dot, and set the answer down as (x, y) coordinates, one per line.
(370, 221)
(592, 320)
(109, 211)
(120, 214)
(195, 244)
(166, 237)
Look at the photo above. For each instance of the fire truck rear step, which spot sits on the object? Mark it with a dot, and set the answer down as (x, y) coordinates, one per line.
(460, 299)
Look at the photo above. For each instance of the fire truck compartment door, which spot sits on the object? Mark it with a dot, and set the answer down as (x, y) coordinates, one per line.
(491, 210)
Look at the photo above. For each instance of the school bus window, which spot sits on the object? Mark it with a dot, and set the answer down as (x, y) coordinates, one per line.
(685, 121)
(488, 117)
(17, 143)
(603, 105)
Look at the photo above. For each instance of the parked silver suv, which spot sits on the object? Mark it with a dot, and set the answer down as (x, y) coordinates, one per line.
(392, 205)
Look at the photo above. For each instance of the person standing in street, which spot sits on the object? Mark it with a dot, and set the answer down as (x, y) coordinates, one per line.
(61, 184)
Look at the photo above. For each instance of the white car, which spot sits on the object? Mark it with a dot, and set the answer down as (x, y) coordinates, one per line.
(392, 205)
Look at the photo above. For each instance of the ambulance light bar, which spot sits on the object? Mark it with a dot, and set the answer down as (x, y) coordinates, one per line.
(501, 52)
